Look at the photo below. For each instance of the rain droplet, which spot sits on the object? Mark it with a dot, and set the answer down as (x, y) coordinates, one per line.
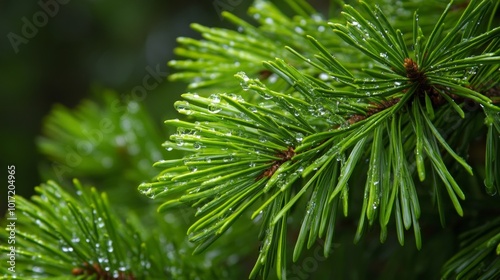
(215, 98)
(491, 191)
(75, 239)
(299, 137)
(67, 249)
(273, 78)
(197, 145)
(245, 80)
(267, 96)
(100, 222)
(214, 108)
(193, 168)
(183, 107)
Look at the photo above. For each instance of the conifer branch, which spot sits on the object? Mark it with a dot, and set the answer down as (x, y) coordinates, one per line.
(81, 236)
(304, 141)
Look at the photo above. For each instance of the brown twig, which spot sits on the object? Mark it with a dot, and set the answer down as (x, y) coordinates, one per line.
(285, 155)
(101, 274)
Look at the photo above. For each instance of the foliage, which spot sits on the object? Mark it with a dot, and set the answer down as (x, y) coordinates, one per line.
(479, 257)
(389, 106)
(367, 123)
(81, 235)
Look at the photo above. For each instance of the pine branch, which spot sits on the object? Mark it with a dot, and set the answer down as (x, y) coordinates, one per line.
(61, 234)
(222, 51)
(388, 108)
(478, 257)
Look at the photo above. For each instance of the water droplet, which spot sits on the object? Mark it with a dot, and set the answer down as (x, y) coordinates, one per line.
(75, 239)
(384, 55)
(299, 137)
(317, 17)
(179, 142)
(245, 80)
(273, 78)
(267, 96)
(310, 207)
(491, 190)
(100, 222)
(235, 97)
(324, 76)
(67, 249)
(193, 168)
(183, 107)
(37, 269)
(214, 108)
(341, 157)
(197, 145)
(215, 98)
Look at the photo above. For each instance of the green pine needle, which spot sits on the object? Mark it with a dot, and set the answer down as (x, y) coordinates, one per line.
(376, 109)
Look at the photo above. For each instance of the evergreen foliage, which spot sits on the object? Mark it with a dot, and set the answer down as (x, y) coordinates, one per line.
(302, 123)
(80, 235)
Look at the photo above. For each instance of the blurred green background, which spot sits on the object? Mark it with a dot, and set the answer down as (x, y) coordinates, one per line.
(57, 52)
